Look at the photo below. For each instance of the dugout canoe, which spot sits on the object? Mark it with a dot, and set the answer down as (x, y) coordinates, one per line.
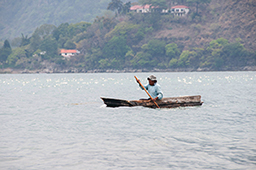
(170, 102)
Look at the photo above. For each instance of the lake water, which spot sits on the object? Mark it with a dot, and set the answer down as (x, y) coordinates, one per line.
(58, 121)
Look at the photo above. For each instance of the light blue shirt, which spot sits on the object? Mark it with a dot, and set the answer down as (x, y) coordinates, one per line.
(154, 91)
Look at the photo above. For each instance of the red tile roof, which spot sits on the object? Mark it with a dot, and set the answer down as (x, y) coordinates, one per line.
(180, 6)
(68, 51)
(135, 7)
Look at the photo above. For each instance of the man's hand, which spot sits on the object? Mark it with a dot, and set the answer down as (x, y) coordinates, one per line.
(155, 99)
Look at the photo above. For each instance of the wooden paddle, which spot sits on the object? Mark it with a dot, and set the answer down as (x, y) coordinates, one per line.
(146, 91)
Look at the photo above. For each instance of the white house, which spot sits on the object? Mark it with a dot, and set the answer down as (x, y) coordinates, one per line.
(180, 10)
(42, 53)
(68, 53)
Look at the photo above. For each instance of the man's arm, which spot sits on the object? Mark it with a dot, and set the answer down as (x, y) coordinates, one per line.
(159, 93)
(146, 87)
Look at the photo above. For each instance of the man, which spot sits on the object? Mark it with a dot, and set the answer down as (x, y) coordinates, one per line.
(153, 88)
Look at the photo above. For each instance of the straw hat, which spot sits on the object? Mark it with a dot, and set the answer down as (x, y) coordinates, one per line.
(152, 77)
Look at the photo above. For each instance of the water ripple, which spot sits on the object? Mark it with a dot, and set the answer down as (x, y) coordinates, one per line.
(57, 121)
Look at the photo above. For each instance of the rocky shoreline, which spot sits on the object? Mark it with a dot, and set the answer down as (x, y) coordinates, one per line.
(76, 70)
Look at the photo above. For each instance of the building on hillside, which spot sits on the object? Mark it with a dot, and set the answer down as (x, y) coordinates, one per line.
(141, 9)
(69, 53)
(180, 10)
(42, 53)
(147, 9)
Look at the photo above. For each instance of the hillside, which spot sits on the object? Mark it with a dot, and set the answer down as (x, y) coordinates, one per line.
(229, 19)
(218, 35)
(237, 19)
(25, 16)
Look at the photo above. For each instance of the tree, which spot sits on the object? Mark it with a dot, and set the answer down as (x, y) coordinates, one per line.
(74, 29)
(50, 46)
(143, 60)
(155, 47)
(173, 63)
(60, 30)
(115, 5)
(154, 3)
(198, 2)
(17, 53)
(24, 40)
(183, 60)
(114, 53)
(159, 4)
(116, 48)
(5, 51)
(44, 30)
(172, 50)
(126, 7)
(217, 44)
(35, 42)
(70, 45)
(40, 34)
(235, 54)
(215, 49)
(6, 44)
(187, 58)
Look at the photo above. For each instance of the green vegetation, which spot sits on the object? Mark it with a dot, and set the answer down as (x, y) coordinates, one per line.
(5, 51)
(126, 41)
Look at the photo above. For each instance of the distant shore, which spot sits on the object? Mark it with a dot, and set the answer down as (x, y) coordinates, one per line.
(76, 70)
